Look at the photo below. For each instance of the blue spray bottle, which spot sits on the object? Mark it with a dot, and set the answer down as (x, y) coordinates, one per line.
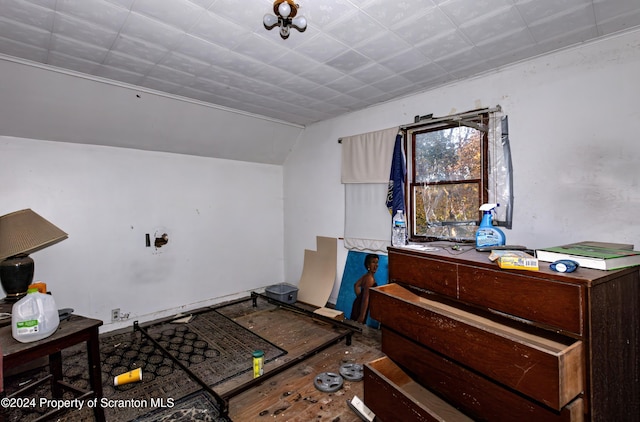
(487, 235)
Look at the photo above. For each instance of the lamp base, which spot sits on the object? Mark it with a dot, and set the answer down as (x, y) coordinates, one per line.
(16, 274)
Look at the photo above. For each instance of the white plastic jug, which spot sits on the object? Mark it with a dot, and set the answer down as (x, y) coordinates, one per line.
(34, 317)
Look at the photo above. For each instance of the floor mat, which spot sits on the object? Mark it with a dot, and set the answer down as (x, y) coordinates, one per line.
(212, 346)
(195, 407)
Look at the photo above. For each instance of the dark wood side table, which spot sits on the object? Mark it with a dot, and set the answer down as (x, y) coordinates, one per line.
(75, 330)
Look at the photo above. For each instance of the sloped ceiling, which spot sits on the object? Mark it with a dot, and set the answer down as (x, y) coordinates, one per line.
(354, 53)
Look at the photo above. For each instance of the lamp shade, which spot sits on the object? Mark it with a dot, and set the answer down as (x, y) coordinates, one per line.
(25, 231)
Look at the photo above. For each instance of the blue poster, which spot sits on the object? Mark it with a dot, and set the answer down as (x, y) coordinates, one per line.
(354, 270)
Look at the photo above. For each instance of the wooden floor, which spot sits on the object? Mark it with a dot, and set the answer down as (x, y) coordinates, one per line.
(291, 395)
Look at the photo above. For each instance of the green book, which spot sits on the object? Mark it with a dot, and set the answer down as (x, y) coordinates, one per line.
(588, 256)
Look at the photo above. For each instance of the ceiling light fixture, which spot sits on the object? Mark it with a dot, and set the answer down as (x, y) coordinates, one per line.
(285, 17)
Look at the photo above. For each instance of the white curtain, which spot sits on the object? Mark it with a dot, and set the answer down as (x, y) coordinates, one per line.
(366, 163)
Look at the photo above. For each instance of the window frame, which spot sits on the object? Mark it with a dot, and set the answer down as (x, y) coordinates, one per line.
(477, 119)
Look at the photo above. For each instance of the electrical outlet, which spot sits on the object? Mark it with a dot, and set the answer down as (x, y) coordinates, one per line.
(115, 314)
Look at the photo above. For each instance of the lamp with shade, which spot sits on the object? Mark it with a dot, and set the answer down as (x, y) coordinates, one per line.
(22, 233)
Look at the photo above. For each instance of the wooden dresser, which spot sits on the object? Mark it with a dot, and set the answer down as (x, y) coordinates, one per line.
(462, 335)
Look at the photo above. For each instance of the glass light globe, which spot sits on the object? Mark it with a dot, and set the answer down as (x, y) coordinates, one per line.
(300, 22)
(270, 20)
(284, 9)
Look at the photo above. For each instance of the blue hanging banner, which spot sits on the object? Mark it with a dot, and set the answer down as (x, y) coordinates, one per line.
(395, 192)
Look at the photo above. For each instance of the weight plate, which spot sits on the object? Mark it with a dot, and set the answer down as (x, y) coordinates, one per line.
(352, 371)
(328, 382)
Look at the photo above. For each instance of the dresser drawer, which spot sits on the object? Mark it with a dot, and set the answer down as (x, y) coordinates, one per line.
(436, 276)
(524, 295)
(476, 395)
(545, 370)
(394, 396)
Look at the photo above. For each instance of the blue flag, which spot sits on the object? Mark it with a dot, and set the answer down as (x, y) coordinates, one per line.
(395, 191)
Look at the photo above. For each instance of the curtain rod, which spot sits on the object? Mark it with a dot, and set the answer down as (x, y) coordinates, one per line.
(448, 119)
(426, 119)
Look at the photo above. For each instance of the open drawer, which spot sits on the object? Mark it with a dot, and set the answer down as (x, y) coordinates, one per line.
(546, 370)
(394, 396)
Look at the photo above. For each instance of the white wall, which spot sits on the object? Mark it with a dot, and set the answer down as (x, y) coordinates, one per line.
(223, 217)
(574, 125)
(574, 121)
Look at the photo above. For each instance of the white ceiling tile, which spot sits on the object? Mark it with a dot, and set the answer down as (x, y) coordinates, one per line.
(557, 25)
(390, 13)
(143, 28)
(72, 63)
(372, 73)
(171, 75)
(23, 51)
(84, 31)
(198, 48)
(506, 43)
(49, 4)
(349, 61)
(354, 29)
(73, 48)
(621, 22)
(105, 14)
(322, 93)
(493, 25)
(424, 26)
(460, 60)
(246, 66)
(247, 14)
(25, 34)
(382, 46)
(122, 3)
(294, 63)
(392, 83)
(346, 101)
(616, 16)
(138, 48)
(322, 14)
(461, 11)
(366, 92)
(180, 14)
(271, 74)
(346, 83)
(535, 10)
(567, 39)
(512, 56)
(215, 29)
(128, 63)
(184, 63)
(426, 72)
(259, 48)
(28, 13)
(297, 84)
(322, 74)
(321, 48)
(202, 3)
(405, 60)
(445, 46)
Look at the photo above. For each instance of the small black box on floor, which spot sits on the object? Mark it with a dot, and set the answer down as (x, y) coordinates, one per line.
(283, 292)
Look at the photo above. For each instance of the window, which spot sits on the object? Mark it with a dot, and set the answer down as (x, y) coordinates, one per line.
(449, 175)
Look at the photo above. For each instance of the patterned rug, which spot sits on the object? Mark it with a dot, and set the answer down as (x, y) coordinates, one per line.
(198, 406)
(212, 346)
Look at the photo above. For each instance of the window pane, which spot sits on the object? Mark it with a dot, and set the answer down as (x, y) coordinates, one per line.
(449, 210)
(448, 155)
